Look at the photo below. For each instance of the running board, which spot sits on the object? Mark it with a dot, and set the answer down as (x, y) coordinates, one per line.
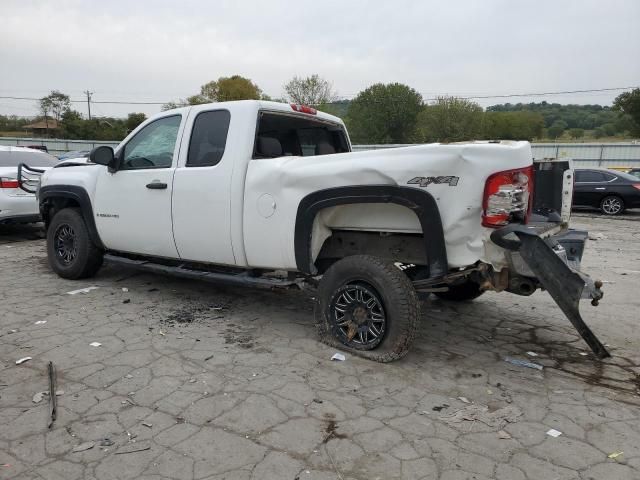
(242, 278)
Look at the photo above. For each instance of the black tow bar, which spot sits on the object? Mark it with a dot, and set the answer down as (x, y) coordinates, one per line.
(565, 285)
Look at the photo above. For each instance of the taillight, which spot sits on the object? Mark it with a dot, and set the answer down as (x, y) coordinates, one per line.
(303, 109)
(9, 183)
(507, 197)
(636, 185)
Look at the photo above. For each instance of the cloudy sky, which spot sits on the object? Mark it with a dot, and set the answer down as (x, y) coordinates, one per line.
(148, 50)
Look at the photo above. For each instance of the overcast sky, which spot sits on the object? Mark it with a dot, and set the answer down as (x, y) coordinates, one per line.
(147, 50)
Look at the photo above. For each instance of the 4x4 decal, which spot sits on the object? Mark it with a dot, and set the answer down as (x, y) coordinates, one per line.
(451, 180)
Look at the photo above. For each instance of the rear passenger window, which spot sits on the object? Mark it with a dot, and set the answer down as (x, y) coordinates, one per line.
(587, 176)
(208, 138)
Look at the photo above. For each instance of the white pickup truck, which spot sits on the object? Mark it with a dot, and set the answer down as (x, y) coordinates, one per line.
(240, 191)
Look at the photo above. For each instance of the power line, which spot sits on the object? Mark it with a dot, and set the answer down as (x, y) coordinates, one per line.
(115, 102)
(466, 97)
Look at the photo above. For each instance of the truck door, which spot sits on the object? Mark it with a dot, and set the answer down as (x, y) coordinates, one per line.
(202, 190)
(133, 205)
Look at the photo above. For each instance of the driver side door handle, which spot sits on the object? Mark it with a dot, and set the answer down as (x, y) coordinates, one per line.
(157, 186)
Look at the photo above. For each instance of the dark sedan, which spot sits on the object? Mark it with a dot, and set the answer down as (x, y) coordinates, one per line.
(607, 190)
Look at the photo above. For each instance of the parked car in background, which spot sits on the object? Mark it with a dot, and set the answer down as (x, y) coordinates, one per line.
(16, 205)
(607, 190)
(635, 172)
(42, 148)
(74, 154)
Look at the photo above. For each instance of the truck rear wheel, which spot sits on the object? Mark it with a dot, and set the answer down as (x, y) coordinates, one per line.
(367, 306)
(461, 292)
(72, 254)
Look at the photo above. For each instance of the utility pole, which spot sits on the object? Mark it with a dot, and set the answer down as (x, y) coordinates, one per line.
(89, 102)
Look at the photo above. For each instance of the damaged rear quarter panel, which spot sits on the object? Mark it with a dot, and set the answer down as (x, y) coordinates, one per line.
(269, 242)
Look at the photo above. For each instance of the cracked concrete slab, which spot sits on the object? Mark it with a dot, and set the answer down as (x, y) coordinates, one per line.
(199, 381)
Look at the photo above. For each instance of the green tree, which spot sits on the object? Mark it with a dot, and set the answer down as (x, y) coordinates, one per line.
(450, 119)
(384, 114)
(557, 129)
(226, 89)
(576, 133)
(513, 125)
(56, 103)
(629, 103)
(599, 132)
(133, 120)
(73, 125)
(312, 90)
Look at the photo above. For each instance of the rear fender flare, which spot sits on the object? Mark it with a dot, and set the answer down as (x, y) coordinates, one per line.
(419, 201)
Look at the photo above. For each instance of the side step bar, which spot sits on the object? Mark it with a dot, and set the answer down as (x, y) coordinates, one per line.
(241, 278)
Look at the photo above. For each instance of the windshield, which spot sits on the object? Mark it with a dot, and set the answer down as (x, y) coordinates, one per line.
(33, 158)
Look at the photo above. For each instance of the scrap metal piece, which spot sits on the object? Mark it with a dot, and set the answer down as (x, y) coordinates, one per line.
(565, 285)
(53, 402)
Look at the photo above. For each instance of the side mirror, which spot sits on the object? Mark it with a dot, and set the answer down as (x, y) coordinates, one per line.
(103, 155)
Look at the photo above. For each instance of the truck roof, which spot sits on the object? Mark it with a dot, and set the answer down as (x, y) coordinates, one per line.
(290, 108)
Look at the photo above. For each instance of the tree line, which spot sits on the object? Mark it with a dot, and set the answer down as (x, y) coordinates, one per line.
(384, 113)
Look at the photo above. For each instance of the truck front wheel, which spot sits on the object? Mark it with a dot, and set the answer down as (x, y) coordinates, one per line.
(369, 307)
(72, 254)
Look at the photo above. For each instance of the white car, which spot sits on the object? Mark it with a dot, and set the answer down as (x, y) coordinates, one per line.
(16, 204)
(235, 191)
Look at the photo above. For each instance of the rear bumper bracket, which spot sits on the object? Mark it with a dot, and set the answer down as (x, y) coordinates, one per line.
(565, 285)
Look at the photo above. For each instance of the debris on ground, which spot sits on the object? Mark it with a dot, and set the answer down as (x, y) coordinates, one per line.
(126, 300)
(82, 290)
(125, 289)
(502, 435)
(148, 425)
(95, 344)
(53, 402)
(59, 393)
(596, 236)
(132, 448)
(584, 354)
(552, 432)
(464, 399)
(439, 408)
(614, 455)
(128, 375)
(497, 419)
(532, 354)
(523, 363)
(40, 322)
(106, 442)
(22, 360)
(208, 358)
(338, 357)
(37, 398)
(83, 446)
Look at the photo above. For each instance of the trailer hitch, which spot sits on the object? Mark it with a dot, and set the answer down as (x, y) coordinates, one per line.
(565, 285)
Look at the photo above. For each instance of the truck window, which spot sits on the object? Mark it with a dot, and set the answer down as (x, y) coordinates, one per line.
(208, 138)
(281, 134)
(153, 146)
